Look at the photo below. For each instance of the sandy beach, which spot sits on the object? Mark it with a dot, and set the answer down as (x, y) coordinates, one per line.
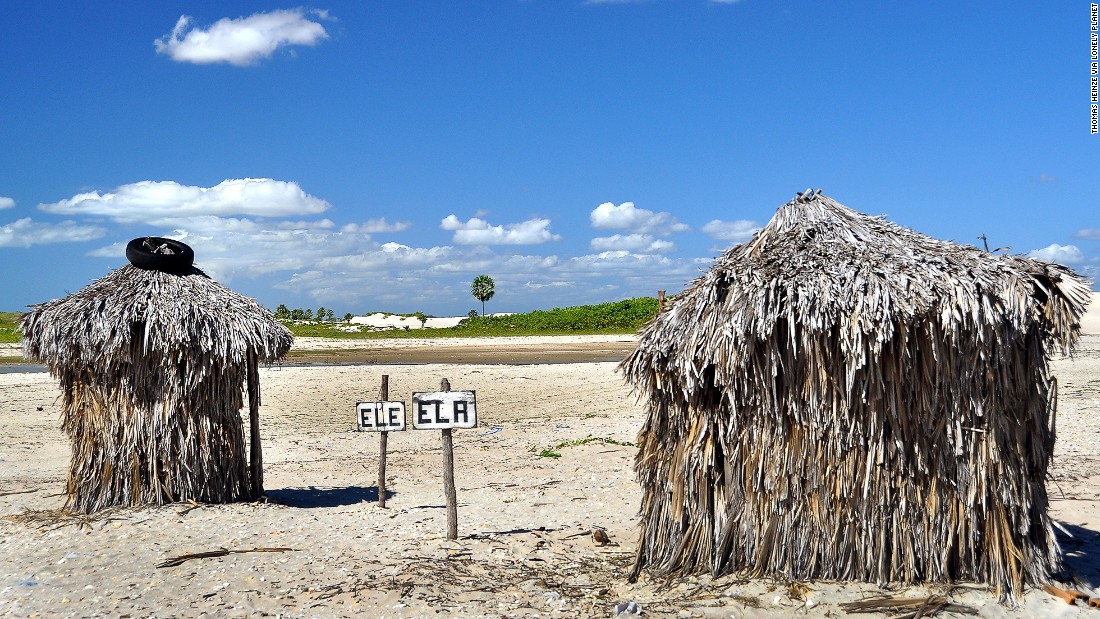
(550, 462)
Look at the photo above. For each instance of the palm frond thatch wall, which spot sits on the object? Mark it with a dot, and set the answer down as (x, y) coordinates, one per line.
(151, 366)
(844, 398)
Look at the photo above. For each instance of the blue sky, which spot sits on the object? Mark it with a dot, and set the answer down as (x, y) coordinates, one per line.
(371, 156)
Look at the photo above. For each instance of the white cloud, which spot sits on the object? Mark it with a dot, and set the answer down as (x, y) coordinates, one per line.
(737, 231)
(477, 231)
(273, 231)
(437, 279)
(394, 276)
(361, 291)
(213, 226)
(6, 202)
(1061, 254)
(151, 201)
(375, 226)
(607, 216)
(523, 264)
(616, 258)
(391, 257)
(242, 41)
(540, 286)
(26, 232)
(450, 222)
(227, 248)
(641, 243)
(1090, 234)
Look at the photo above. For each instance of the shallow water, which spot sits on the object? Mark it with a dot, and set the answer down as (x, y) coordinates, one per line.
(21, 368)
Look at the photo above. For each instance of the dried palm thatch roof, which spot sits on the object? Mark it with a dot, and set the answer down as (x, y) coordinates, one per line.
(151, 366)
(842, 397)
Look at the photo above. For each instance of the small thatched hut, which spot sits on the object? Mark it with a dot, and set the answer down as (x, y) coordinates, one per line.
(152, 365)
(844, 398)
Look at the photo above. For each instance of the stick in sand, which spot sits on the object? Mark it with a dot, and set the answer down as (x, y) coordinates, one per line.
(383, 438)
(449, 475)
(221, 552)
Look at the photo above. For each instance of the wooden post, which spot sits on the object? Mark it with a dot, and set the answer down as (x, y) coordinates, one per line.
(660, 301)
(449, 475)
(255, 453)
(383, 438)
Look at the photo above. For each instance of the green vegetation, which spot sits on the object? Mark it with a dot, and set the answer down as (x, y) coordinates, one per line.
(9, 322)
(619, 317)
(320, 329)
(554, 452)
(284, 313)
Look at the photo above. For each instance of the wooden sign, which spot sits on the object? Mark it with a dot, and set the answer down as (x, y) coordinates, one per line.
(440, 410)
(380, 416)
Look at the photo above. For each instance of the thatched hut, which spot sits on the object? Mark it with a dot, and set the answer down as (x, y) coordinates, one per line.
(844, 398)
(152, 365)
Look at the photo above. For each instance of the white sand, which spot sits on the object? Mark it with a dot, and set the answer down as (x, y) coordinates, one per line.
(523, 549)
(1090, 322)
(379, 320)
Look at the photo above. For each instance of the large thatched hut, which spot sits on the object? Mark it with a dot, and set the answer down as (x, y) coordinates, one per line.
(844, 398)
(153, 364)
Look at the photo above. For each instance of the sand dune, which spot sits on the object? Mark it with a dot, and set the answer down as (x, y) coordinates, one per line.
(1090, 322)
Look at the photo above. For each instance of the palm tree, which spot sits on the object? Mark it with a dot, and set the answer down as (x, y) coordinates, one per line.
(482, 289)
